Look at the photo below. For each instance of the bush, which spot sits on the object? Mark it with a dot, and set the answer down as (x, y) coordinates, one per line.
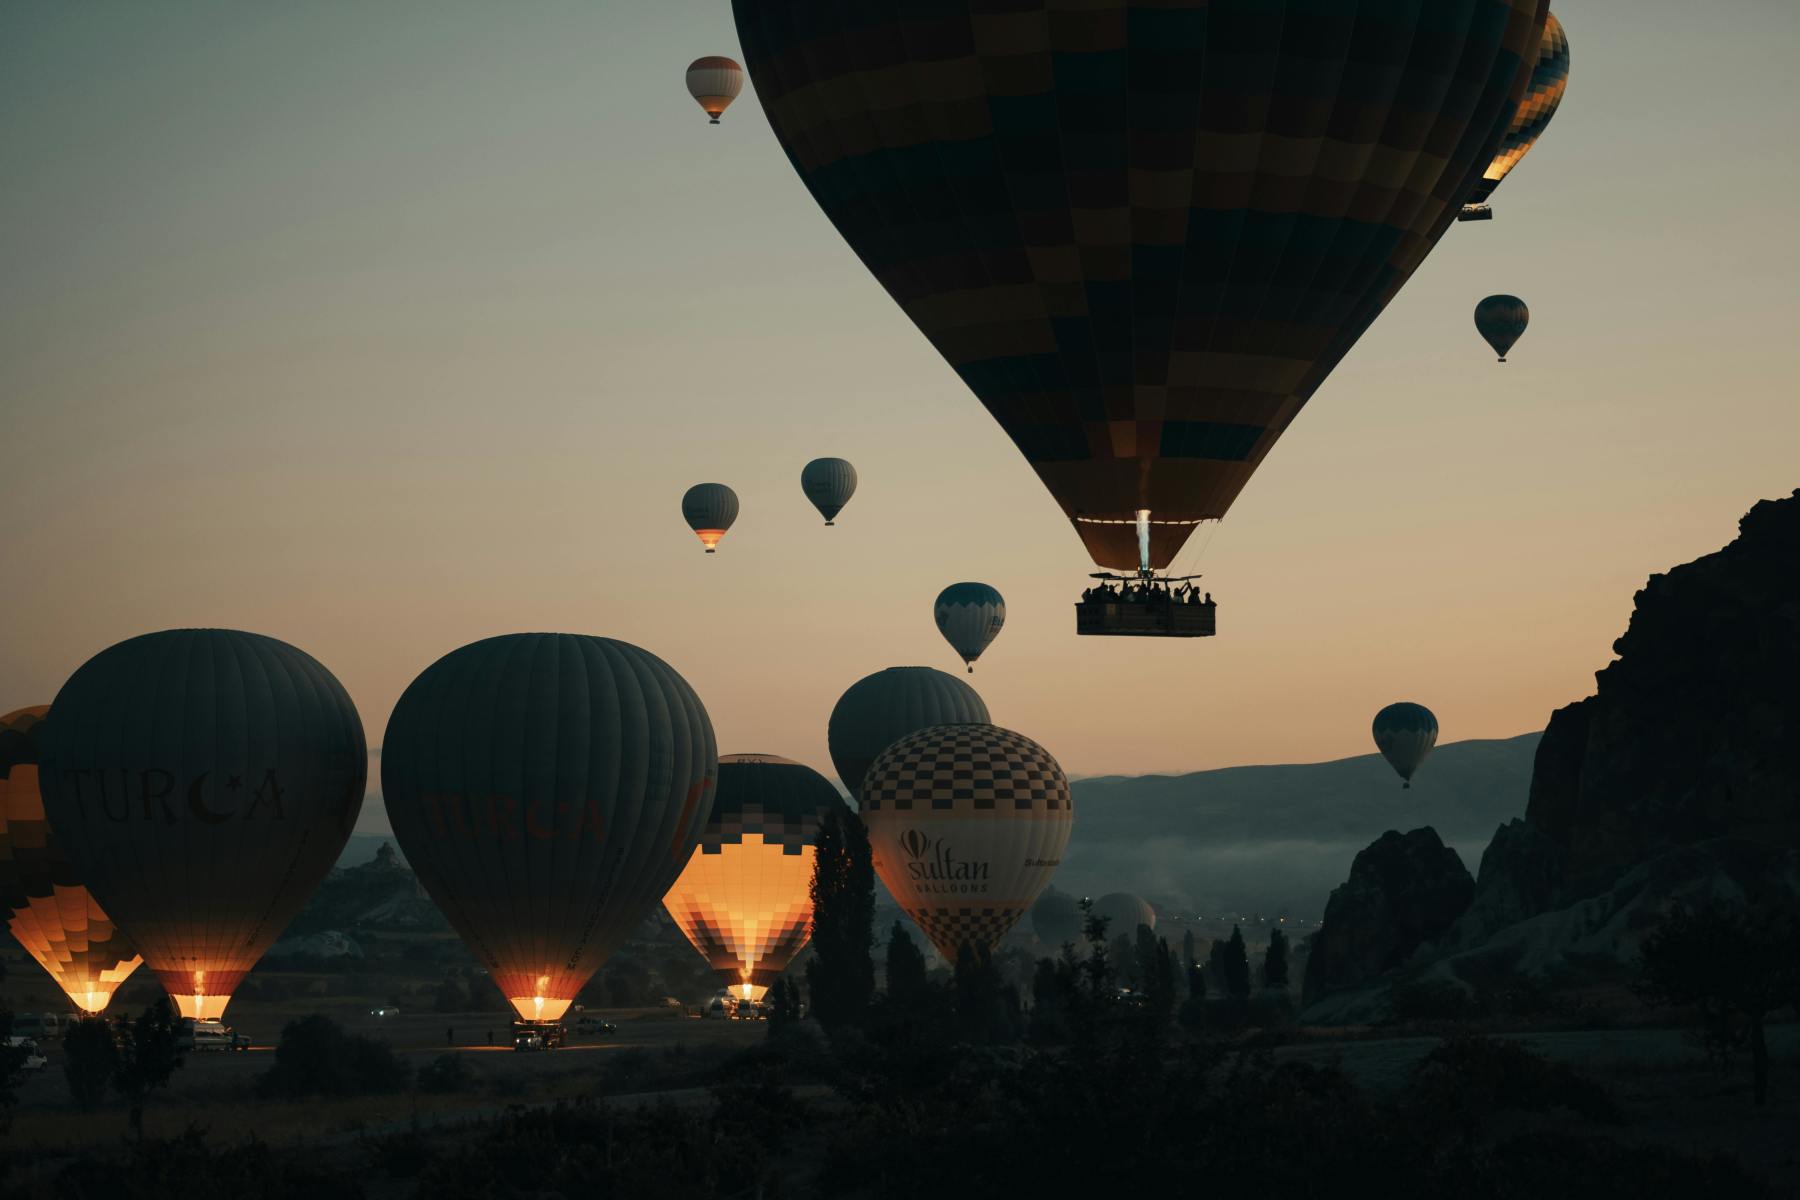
(90, 1057)
(1466, 1080)
(317, 1057)
(187, 1167)
(446, 1073)
(1432, 1000)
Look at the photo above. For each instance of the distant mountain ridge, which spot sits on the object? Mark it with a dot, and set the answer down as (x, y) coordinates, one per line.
(1278, 838)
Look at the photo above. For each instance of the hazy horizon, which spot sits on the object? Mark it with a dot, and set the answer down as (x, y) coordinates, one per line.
(382, 329)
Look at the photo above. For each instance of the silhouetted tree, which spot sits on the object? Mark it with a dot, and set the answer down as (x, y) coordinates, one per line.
(316, 1057)
(1187, 949)
(148, 1051)
(1733, 965)
(905, 969)
(784, 1003)
(1275, 962)
(984, 1012)
(12, 1069)
(1237, 965)
(841, 976)
(1156, 976)
(90, 1056)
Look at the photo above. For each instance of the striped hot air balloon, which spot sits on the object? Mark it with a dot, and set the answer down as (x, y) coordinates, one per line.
(1124, 912)
(714, 82)
(1143, 232)
(744, 899)
(1549, 81)
(966, 825)
(970, 616)
(880, 709)
(203, 782)
(43, 902)
(828, 483)
(1501, 321)
(709, 509)
(1405, 733)
(547, 788)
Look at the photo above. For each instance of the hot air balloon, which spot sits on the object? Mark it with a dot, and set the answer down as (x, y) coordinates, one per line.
(1124, 912)
(203, 782)
(42, 900)
(744, 899)
(966, 825)
(969, 615)
(709, 509)
(880, 709)
(1501, 321)
(828, 483)
(714, 82)
(1143, 234)
(1405, 733)
(547, 788)
(1056, 919)
(1549, 80)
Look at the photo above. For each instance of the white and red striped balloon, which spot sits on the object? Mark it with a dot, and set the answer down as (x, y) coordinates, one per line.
(714, 82)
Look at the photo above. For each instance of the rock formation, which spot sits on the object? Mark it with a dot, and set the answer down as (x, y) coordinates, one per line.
(1404, 890)
(1694, 732)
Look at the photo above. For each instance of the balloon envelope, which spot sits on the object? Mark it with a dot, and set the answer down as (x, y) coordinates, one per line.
(1501, 321)
(1124, 912)
(744, 899)
(969, 615)
(714, 82)
(203, 782)
(1056, 919)
(709, 509)
(966, 825)
(1549, 81)
(828, 483)
(1143, 234)
(42, 900)
(1405, 733)
(880, 709)
(547, 789)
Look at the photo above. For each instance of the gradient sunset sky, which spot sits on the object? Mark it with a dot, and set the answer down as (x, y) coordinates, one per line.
(381, 327)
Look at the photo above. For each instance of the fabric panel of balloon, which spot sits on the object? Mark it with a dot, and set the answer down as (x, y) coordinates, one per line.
(967, 823)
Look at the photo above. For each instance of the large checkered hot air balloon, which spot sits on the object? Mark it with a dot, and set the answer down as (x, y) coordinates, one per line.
(745, 898)
(547, 788)
(203, 782)
(1143, 233)
(966, 824)
(43, 902)
(1549, 80)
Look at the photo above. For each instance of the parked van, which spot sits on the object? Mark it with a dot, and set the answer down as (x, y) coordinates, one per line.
(39, 1027)
(209, 1034)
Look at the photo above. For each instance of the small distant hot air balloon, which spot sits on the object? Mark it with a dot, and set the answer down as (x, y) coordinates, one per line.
(828, 483)
(1549, 80)
(1405, 733)
(969, 615)
(1501, 320)
(709, 509)
(42, 901)
(966, 825)
(880, 709)
(1124, 912)
(714, 82)
(744, 899)
(203, 782)
(547, 788)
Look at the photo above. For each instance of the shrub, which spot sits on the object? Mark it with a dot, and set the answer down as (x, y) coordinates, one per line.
(1466, 1080)
(317, 1057)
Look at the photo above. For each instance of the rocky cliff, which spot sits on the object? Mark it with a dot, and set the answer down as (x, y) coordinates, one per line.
(1694, 732)
(1679, 778)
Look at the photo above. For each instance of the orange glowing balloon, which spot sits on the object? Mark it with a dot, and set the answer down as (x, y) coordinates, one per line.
(744, 900)
(714, 82)
(44, 904)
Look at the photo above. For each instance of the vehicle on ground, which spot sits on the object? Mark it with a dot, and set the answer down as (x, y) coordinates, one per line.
(384, 1011)
(595, 1026)
(33, 1060)
(39, 1027)
(209, 1034)
(538, 1035)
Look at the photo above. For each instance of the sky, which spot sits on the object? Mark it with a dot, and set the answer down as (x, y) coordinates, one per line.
(384, 327)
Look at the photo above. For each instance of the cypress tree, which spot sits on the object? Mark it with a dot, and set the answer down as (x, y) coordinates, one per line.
(841, 976)
(1275, 962)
